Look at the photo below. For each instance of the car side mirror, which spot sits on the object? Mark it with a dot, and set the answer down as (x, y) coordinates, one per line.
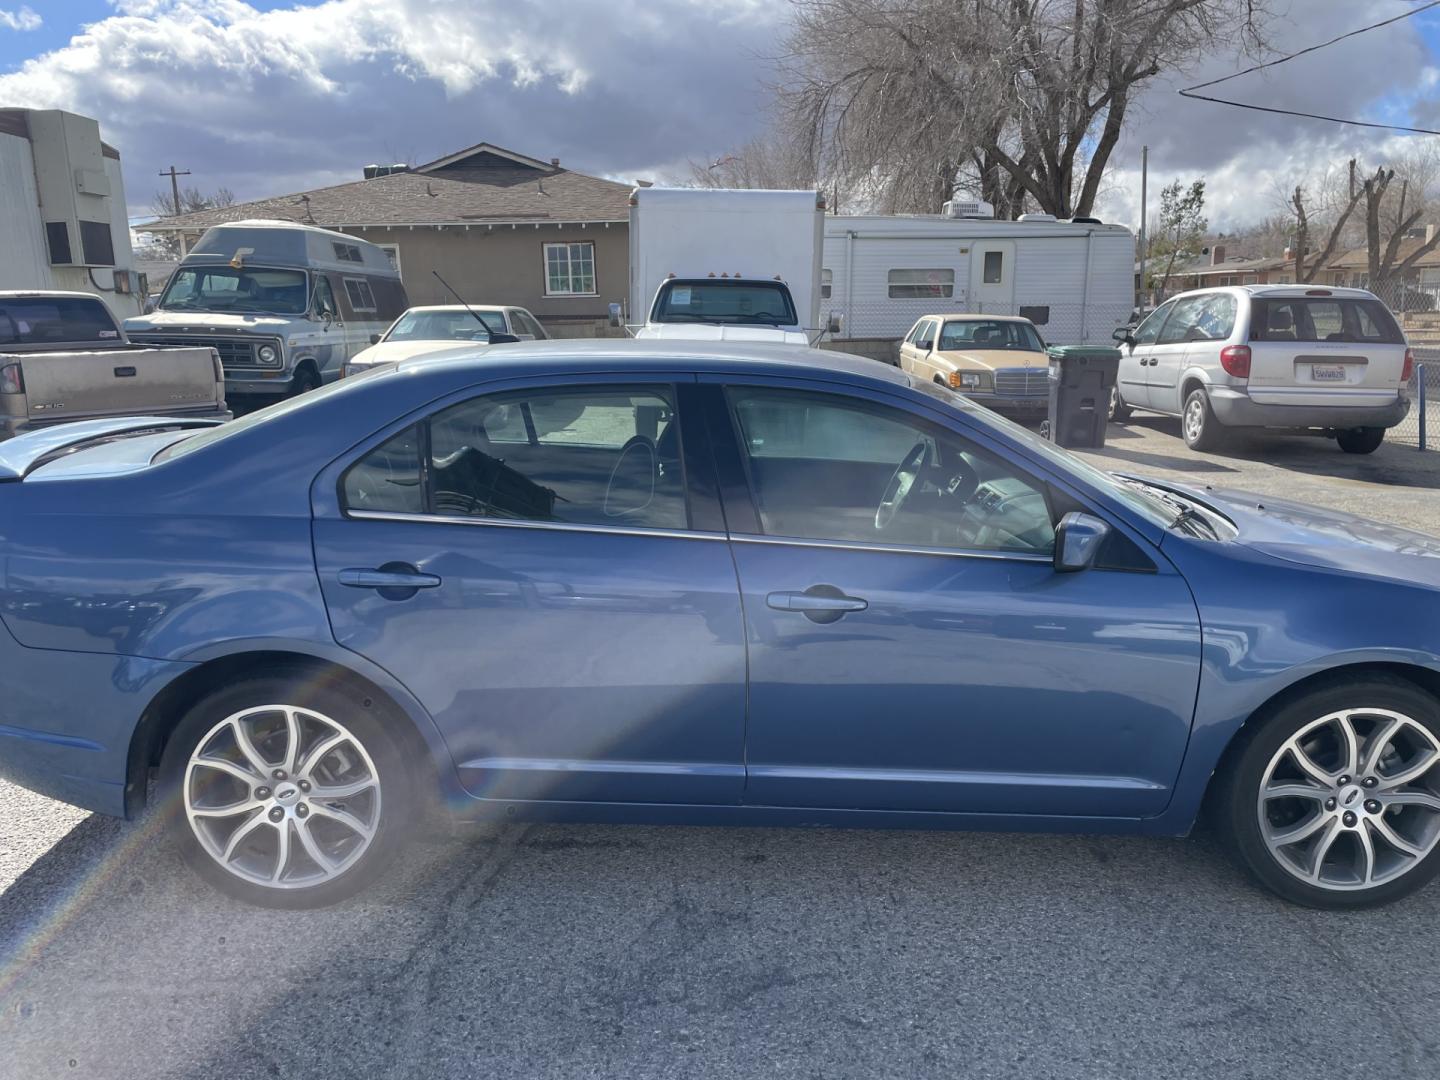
(497, 338)
(1077, 541)
(835, 323)
(374, 339)
(926, 345)
(1124, 335)
(615, 314)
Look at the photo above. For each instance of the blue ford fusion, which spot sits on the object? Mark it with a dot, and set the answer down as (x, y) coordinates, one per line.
(697, 583)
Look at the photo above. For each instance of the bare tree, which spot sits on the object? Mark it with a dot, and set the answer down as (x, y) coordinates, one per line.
(1022, 101)
(1384, 237)
(768, 161)
(1306, 267)
(192, 199)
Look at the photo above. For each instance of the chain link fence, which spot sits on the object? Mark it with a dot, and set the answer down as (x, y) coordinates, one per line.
(1421, 428)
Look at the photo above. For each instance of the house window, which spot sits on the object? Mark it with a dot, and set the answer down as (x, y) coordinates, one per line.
(827, 278)
(392, 252)
(921, 284)
(570, 269)
(359, 294)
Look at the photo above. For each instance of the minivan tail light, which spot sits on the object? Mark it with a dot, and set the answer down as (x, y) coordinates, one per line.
(12, 379)
(1235, 359)
(1408, 371)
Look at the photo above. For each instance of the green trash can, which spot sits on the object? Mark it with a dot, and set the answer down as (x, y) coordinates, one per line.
(1081, 378)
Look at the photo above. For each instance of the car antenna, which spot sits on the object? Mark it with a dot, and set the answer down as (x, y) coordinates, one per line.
(457, 296)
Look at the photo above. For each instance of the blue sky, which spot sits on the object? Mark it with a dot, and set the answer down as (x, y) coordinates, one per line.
(274, 96)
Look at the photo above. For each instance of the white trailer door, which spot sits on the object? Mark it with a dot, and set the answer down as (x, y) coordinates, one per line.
(992, 276)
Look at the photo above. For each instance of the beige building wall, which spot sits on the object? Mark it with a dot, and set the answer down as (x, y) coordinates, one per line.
(501, 264)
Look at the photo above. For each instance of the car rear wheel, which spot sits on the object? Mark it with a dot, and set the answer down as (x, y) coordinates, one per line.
(1334, 801)
(287, 790)
(1201, 429)
(1365, 440)
(1119, 411)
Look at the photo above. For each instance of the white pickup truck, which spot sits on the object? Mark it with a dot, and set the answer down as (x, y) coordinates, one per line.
(63, 357)
(732, 265)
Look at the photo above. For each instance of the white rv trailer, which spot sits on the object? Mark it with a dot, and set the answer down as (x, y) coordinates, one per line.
(1074, 280)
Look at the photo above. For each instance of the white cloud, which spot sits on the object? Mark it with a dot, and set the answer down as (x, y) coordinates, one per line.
(271, 101)
(24, 19)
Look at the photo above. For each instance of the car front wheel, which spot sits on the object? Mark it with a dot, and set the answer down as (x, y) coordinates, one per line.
(287, 790)
(1365, 440)
(1334, 800)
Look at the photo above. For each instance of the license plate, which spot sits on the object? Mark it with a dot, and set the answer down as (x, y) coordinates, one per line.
(1327, 372)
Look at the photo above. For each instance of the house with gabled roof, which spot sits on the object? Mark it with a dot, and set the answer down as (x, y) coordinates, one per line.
(500, 226)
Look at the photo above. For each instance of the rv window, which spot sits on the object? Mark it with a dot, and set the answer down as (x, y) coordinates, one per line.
(827, 278)
(392, 252)
(994, 267)
(921, 284)
(348, 252)
(569, 269)
(359, 294)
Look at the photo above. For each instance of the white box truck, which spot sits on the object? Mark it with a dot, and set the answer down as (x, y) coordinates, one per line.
(734, 265)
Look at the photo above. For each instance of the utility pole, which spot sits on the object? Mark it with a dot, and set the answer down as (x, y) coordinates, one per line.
(1144, 204)
(174, 176)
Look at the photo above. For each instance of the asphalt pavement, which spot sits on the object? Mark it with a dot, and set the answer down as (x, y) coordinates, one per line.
(586, 951)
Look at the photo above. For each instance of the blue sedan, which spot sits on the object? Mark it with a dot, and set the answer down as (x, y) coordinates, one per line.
(671, 582)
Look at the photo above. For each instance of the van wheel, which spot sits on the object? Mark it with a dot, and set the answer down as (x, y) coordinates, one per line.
(1365, 440)
(1119, 411)
(287, 791)
(304, 381)
(1334, 800)
(1198, 424)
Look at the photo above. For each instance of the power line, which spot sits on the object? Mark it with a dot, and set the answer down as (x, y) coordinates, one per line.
(1189, 92)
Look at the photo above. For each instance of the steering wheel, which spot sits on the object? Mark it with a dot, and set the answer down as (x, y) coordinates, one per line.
(902, 482)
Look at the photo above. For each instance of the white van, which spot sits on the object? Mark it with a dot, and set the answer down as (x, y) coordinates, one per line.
(1268, 356)
(284, 305)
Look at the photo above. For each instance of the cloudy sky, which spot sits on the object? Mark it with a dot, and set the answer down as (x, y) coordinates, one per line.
(274, 96)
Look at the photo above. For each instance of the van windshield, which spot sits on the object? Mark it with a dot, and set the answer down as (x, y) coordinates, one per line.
(223, 288)
(764, 303)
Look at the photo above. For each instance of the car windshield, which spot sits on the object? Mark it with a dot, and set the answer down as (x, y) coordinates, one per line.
(39, 320)
(223, 288)
(455, 324)
(1146, 502)
(968, 334)
(765, 303)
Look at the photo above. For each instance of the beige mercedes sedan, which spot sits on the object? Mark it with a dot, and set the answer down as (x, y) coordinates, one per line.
(997, 361)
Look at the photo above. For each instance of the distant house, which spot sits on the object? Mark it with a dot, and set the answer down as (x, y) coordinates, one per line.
(1418, 289)
(500, 227)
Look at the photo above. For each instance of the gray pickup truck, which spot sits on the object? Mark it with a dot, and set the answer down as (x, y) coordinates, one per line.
(63, 357)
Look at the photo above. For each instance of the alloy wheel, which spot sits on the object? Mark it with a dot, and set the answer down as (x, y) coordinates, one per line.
(1352, 800)
(1194, 418)
(282, 796)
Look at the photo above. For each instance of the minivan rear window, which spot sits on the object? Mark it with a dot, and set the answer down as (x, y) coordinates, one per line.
(1315, 318)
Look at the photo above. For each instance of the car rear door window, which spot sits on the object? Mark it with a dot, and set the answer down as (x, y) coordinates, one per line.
(822, 465)
(581, 456)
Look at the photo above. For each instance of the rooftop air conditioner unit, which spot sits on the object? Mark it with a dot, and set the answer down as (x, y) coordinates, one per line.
(967, 208)
(1036, 217)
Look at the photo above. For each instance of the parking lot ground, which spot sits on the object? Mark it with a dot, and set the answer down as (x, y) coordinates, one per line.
(1398, 484)
(586, 951)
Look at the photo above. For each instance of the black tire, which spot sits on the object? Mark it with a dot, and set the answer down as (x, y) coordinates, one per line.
(1365, 440)
(1119, 411)
(304, 380)
(1236, 796)
(1198, 425)
(370, 720)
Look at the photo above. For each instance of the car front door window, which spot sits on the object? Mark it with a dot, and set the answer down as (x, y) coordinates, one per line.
(830, 468)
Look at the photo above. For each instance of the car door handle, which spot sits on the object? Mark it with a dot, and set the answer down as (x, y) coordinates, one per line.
(388, 576)
(819, 603)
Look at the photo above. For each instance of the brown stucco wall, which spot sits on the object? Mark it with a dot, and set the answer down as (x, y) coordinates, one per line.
(505, 265)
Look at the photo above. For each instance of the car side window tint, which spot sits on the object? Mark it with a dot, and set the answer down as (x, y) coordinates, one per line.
(586, 456)
(388, 478)
(826, 467)
(1149, 330)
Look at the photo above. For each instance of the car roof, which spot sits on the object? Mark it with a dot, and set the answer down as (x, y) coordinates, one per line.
(462, 308)
(1286, 290)
(952, 316)
(624, 354)
(32, 293)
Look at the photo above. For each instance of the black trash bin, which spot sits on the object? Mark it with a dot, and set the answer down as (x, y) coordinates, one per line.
(1081, 378)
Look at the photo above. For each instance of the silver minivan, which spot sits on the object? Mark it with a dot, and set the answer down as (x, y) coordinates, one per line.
(1268, 356)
